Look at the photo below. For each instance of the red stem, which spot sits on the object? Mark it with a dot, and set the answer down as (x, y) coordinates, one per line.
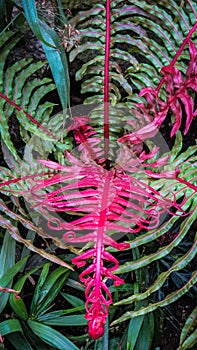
(106, 81)
(22, 178)
(188, 184)
(12, 103)
(89, 149)
(101, 229)
(181, 48)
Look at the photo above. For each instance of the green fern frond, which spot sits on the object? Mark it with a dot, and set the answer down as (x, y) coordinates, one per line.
(163, 252)
(151, 36)
(18, 85)
(179, 264)
(40, 133)
(8, 41)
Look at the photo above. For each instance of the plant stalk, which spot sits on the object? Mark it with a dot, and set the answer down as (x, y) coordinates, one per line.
(19, 109)
(181, 48)
(106, 81)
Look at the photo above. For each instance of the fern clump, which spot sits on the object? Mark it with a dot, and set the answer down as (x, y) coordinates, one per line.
(122, 204)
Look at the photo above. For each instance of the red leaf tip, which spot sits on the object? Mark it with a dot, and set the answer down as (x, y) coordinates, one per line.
(96, 327)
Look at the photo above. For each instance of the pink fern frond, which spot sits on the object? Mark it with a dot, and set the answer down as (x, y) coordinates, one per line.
(97, 303)
(178, 97)
(112, 201)
(86, 139)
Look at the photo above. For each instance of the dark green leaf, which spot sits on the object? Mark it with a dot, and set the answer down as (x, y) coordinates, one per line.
(74, 320)
(59, 313)
(74, 301)
(50, 289)
(10, 326)
(53, 50)
(19, 341)
(7, 260)
(38, 288)
(51, 336)
(135, 325)
(146, 333)
(33, 20)
(5, 279)
(18, 304)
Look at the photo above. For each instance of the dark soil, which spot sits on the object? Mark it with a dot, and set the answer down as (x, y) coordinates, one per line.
(174, 322)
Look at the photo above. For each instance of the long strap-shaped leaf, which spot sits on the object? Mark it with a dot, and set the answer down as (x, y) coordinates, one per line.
(53, 50)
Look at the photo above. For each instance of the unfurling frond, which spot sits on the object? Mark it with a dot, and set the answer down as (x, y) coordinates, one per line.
(111, 202)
